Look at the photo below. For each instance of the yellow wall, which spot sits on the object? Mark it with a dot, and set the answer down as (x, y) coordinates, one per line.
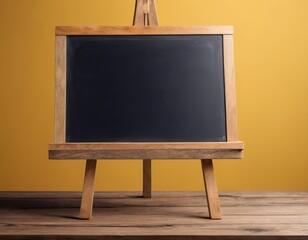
(271, 57)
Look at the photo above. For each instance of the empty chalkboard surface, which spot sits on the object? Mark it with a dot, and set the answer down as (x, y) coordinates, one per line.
(163, 88)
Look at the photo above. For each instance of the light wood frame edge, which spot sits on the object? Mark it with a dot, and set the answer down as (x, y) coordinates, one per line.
(136, 30)
(148, 146)
(60, 89)
(230, 94)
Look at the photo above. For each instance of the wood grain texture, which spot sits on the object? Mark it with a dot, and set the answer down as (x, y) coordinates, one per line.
(208, 150)
(88, 190)
(211, 188)
(230, 88)
(60, 89)
(147, 178)
(139, 30)
(167, 215)
(147, 154)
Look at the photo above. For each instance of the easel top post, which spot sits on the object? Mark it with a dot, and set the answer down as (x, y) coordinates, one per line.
(145, 13)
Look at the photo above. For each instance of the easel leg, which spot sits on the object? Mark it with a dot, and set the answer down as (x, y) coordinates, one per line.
(88, 190)
(211, 188)
(147, 175)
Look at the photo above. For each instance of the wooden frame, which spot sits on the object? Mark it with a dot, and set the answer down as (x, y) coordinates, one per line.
(60, 90)
(146, 23)
(146, 150)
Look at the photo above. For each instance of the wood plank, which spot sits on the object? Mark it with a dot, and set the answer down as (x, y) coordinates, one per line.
(211, 188)
(108, 212)
(120, 215)
(230, 88)
(246, 196)
(147, 154)
(149, 146)
(139, 30)
(166, 203)
(152, 218)
(88, 190)
(229, 150)
(60, 89)
(165, 199)
(160, 231)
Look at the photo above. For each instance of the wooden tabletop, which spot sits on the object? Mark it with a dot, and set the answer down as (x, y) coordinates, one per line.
(167, 215)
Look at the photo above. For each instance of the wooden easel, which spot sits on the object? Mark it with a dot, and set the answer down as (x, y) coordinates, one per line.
(145, 15)
(206, 151)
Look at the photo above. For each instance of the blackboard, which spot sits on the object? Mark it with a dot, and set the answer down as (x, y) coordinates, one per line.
(163, 88)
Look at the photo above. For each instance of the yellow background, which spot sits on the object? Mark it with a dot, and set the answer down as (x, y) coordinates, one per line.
(271, 57)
